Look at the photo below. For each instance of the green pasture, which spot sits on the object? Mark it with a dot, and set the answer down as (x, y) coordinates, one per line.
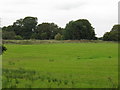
(61, 65)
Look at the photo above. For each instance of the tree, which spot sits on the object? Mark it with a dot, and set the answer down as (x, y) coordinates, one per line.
(80, 29)
(113, 35)
(34, 36)
(116, 27)
(18, 27)
(47, 30)
(8, 35)
(25, 27)
(8, 28)
(106, 36)
(22, 27)
(44, 36)
(29, 26)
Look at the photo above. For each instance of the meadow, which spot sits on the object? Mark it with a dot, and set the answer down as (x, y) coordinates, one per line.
(61, 65)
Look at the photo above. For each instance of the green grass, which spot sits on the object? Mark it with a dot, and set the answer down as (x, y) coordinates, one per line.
(61, 65)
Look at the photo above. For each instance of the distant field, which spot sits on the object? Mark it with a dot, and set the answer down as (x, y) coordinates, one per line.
(61, 65)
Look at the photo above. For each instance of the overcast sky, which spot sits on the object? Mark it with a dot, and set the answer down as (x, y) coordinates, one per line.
(102, 14)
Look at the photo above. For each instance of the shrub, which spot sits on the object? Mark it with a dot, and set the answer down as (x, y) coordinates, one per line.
(58, 36)
(2, 49)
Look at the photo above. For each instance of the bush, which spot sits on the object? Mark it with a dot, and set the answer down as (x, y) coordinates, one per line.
(58, 36)
(18, 37)
(2, 49)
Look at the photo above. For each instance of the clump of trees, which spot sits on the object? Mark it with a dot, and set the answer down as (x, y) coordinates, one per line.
(28, 28)
(47, 31)
(24, 28)
(113, 35)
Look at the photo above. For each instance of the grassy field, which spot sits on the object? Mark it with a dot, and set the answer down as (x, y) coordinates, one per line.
(61, 65)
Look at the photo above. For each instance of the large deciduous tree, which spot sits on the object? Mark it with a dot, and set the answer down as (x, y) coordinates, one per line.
(29, 25)
(80, 29)
(47, 31)
(18, 27)
(113, 35)
(25, 27)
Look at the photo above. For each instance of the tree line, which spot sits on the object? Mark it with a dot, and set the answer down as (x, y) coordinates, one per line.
(28, 28)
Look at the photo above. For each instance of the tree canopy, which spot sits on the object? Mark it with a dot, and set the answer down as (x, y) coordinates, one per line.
(80, 29)
(113, 35)
(25, 27)
(47, 30)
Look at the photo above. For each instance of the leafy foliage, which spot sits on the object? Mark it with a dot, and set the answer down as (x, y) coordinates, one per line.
(8, 35)
(29, 25)
(58, 36)
(80, 29)
(2, 49)
(18, 37)
(47, 30)
(27, 28)
(22, 27)
(113, 35)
